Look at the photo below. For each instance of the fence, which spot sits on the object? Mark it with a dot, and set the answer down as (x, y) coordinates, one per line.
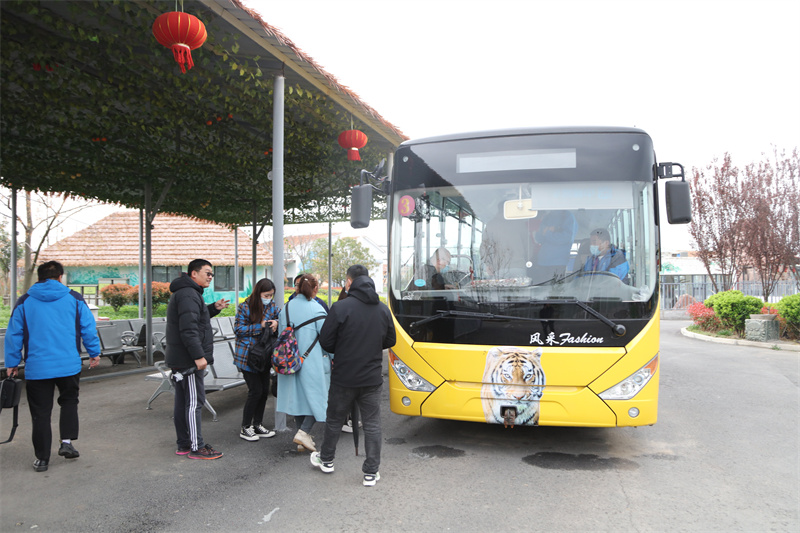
(682, 295)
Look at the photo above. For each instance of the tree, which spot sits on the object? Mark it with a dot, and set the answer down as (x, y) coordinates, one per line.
(43, 213)
(717, 216)
(301, 246)
(771, 228)
(346, 252)
(5, 258)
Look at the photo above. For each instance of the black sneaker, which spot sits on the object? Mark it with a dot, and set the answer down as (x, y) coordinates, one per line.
(40, 465)
(206, 452)
(262, 432)
(183, 451)
(248, 433)
(68, 451)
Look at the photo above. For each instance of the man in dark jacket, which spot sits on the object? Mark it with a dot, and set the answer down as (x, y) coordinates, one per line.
(190, 348)
(356, 332)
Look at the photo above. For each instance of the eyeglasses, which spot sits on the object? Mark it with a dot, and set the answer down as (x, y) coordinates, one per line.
(209, 274)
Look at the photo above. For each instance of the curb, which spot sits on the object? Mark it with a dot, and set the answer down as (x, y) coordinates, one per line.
(781, 345)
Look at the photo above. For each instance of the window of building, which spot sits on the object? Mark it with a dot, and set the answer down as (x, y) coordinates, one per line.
(224, 280)
(166, 274)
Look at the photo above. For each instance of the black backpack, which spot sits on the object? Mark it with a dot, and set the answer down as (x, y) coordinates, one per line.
(10, 392)
(259, 357)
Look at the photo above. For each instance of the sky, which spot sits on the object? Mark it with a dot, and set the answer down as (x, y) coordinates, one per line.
(702, 77)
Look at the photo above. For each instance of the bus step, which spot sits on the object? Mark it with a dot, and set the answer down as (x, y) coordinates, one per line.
(509, 416)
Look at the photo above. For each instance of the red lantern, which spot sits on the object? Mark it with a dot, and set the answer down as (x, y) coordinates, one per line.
(183, 33)
(352, 140)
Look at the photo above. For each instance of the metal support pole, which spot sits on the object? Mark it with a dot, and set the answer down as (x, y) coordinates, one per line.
(330, 262)
(277, 187)
(141, 260)
(148, 268)
(12, 295)
(235, 300)
(255, 239)
(277, 206)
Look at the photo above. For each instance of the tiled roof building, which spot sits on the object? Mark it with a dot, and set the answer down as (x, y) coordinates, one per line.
(176, 240)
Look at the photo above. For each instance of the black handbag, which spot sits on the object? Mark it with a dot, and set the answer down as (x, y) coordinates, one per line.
(10, 392)
(259, 357)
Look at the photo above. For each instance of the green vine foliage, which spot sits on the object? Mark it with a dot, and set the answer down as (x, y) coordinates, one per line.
(94, 106)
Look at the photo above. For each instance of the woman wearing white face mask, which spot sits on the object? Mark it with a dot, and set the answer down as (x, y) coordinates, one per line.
(256, 315)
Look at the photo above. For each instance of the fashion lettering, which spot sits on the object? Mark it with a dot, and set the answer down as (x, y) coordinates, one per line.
(564, 338)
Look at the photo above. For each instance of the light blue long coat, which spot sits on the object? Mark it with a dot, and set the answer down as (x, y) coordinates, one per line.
(306, 392)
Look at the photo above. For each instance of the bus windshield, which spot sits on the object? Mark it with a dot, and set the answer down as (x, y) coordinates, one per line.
(526, 221)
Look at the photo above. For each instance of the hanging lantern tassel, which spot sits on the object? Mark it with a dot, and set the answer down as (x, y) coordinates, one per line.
(352, 140)
(182, 33)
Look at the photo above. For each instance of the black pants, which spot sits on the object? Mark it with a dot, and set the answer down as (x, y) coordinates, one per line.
(190, 396)
(257, 395)
(40, 401)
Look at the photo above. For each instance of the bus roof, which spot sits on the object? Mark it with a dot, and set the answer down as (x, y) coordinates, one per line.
(523, 131)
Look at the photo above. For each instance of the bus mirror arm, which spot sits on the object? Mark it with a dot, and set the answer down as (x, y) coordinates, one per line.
(667, 170)
(361, 195)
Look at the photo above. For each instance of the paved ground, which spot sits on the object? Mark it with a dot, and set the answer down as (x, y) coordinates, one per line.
(722, 457)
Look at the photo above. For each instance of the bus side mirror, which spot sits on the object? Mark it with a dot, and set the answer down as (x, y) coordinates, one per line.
(679, 202)
(360, 206)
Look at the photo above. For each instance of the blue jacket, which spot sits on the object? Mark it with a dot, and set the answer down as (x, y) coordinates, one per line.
(306, 392)
(614, 261)
(48, 323)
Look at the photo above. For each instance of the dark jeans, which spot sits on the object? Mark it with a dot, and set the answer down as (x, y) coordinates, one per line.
(257, 395)
(340, 404)
(305, 422)
(190, 395)
(40, 401)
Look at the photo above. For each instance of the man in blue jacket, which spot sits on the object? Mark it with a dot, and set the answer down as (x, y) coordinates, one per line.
(605, 257)
(48, 323)
(357, 330)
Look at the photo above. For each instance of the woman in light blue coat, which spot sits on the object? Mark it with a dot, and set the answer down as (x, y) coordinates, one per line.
(305, 393)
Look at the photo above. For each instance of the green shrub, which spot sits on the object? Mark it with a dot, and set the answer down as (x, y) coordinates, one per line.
(117, 295)
(732, 308)
(709, 302)
(789, 309)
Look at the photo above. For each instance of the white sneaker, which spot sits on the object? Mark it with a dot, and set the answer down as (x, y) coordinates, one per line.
(348, 427)
(263, 433)
(371, 479)
(248, 433)
(316, 461)
(304, 439)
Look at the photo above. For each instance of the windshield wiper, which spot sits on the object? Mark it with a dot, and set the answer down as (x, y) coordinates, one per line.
(618, 329)
(467, 314)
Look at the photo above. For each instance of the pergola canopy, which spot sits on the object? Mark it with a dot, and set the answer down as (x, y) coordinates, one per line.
(94, 106)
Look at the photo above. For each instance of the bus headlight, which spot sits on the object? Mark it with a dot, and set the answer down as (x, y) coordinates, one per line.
(630, 386)
(410, 379)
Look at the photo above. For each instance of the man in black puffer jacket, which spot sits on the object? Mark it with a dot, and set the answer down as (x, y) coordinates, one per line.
(356, 332)
(190, 348)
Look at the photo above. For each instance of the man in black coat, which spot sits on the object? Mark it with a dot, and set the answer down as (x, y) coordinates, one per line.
(190, 349)
(356, 331)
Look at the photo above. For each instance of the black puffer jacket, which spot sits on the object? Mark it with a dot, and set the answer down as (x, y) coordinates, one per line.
(357, 330)
(189, 333)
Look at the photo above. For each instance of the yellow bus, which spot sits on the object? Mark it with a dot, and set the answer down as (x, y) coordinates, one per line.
(523, 276)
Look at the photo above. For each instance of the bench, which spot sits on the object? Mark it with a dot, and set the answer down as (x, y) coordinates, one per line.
(222, 375)
(113, 346)
(223, 328)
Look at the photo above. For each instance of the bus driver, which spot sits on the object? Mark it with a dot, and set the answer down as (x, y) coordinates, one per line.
(605, 257)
